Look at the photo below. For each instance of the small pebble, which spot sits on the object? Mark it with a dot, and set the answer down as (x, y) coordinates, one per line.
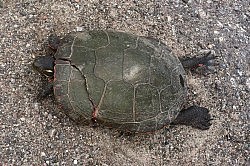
(201, 14)
(43, 154)
(22, 119)
(52, 133)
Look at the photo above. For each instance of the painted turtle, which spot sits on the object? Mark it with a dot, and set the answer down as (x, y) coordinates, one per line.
(117, 79)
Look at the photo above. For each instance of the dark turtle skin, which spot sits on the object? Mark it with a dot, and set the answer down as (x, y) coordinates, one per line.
(131, 83)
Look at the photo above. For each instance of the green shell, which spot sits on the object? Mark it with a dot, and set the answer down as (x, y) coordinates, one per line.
(135, 83)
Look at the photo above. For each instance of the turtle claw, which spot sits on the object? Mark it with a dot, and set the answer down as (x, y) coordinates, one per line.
(203, 125)
(195, 116)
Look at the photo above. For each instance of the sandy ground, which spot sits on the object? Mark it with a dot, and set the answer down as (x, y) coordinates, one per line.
(36, 133)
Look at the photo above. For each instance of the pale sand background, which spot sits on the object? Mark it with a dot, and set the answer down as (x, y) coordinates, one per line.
(35, 133)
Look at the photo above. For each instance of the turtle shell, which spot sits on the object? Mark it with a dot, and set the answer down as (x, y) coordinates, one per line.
(121, 80)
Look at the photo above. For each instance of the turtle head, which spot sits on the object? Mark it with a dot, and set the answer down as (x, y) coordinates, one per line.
(44, 65)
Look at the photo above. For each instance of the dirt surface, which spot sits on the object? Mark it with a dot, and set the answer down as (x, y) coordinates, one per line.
(35, 132)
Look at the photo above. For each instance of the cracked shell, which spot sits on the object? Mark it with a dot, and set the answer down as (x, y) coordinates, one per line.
(124, 81)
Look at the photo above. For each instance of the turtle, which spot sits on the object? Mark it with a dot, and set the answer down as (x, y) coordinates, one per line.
(120, 80)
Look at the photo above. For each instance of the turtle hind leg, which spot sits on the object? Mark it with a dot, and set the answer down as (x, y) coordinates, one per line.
(203, 64)
(197, 117)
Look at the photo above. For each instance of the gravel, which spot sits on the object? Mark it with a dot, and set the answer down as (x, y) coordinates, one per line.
(35, 132)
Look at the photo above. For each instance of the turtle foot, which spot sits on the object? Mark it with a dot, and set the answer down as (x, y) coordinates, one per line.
(204, 64)
(195, 116)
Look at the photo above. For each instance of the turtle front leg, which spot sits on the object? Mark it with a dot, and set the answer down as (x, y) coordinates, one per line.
(47, 90)
(195, 116)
